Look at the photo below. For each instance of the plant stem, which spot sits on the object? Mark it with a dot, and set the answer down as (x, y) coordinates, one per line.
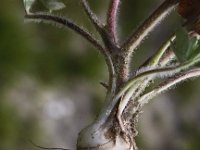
(49, 18)
(112, 18)
(160, 58)
(162, 72)
(91, 15)
(168, 84)
(148, 25)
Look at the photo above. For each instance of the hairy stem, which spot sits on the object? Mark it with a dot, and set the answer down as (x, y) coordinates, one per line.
(162, 72)
(49, 18)
(91, 15)
(139, 88)
(154, 73)
(168, 84)
(112, 18)
(161, 58)
(100, 27)
(148, 25)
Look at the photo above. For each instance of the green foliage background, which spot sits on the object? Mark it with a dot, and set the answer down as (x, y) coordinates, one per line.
(59, 57)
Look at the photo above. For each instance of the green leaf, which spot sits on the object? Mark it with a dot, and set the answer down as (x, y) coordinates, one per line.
(193, 48)
(186, 48)
(28, 4)
(53, 5)
(181, 46)
(196, 54)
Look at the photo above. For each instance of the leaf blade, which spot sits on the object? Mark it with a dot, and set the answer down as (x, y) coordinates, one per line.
(28, 4)
(53, 5)
(182, 44)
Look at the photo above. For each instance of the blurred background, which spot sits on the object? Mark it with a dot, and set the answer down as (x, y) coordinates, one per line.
(49, 81)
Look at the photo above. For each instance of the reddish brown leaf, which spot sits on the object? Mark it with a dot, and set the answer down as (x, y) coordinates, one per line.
(190, 10)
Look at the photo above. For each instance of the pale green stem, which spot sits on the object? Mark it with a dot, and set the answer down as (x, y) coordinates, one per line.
(168, 84)
(163, 72)
(141, 85)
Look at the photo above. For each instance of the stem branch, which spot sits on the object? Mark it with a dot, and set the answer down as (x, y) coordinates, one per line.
(112, 18)
(91, 15)
(49, 18)
(168, 84)
(148, 25)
